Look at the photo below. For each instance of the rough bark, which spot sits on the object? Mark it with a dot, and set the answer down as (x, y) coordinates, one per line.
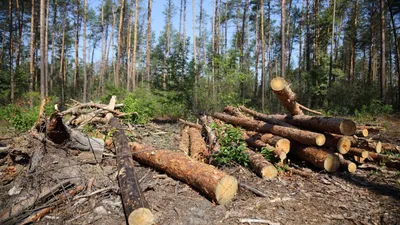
(341, 143)
(77, 28)
(148, 43)
(255, 142)
(325, 124)
(85, 78)
(42, 49)
(265, 118)
(260, 166)
(288, 98)
(283, 37)
(367, 144)
(359, 152)
(213, 145)
(262, 58)
(135, 205)
(302, 136)
(319, 157)
(184, 143)
(213, 183)
(31, 50)
(347, 165)
(388, 161)
(120, 30)
(134, 45)
(198, 148)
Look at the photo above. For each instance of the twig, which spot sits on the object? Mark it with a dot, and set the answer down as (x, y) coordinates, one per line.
(36, 217)
(309, 110)
(95, 192)
(249, 221)
(255, 191)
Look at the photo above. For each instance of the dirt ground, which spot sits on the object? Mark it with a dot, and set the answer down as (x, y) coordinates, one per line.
(370, 196)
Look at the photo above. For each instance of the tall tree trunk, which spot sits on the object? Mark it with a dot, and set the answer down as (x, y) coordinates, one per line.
(283, 51)
(396, 44)
(148, 44)
(257, 54)
(31, 52)
(103, 51)
(308, 65)
(46, 52)
(353, 43)
(180, 22)
(301, 41)
(168, 37)
(85, 78)
(52, 76)
(61, 77)
(120, 30)
(383, 77)
(20, 18)
(111, 40)
(134, 45)
(332, 44)
(128, 61)
(12, 84)
(42, 48)
(184, 27)
(262, 58)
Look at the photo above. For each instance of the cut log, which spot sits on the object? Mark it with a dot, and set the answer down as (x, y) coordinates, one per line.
(213, 183)
(388, 161)
(265, 118)
(347, 165)
(276, 141)
(184, 143)
(359, 159)
(361, 133)
(198, 148)
(254, 142)
(319, 157)
(359, 152)
(213, 144)
(389, 147)
(260, 166)
(234, 111)
(194, 125)
(135, 205)
(302, 136)
(367, 144)
(373, 129)
(288, 98)
(341, 143)
(318, 123)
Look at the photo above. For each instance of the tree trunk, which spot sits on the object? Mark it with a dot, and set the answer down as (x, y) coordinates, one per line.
(265, 118)
(257, 55)
(283, 51)
(397, 57)
(134, 44)
(301, 40)
(213, 145)
(288, 98)
(359, 152)
(184, 143)
(217, 185)
(383, 76)
(148, 44)
(120, 30)
(129, 53)
(341, 143)
(389, 161)
(319, 157)
(85, 78)
(332, 45)
(77, 25)
(31, 51)
(198, 149)
(52, 73)
(302, 136)
(262, 58)
(42, 49)
(135, 205)
(260, 166)
(347, 164)
(61, 76)
(46, 51)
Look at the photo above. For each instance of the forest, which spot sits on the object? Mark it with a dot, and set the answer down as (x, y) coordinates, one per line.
(341, 57)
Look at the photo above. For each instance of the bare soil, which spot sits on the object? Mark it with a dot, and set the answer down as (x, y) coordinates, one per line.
(366, 197)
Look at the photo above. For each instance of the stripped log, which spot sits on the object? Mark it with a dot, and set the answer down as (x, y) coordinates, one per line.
(194, 125)
(184, 143)
(212, 141)
(265, 118)
(213, 183)
(388, 161)
(254, 142)
(135, 205)
(361, 133)
(302, 136)
(318, 123)
(288, 98)
(260, 166)
(319, 157)
(359, 152)
(341, 143)
(198, 148)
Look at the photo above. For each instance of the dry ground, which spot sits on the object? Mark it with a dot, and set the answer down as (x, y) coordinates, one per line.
(366, 197)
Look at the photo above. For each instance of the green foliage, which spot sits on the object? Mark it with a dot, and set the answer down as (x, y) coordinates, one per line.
(282, 168)
(269, 155)
(232, 147)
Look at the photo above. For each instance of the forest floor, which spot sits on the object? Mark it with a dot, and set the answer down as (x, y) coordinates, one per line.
(369, 196)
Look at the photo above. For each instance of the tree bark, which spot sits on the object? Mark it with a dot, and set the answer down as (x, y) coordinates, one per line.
(77, 25)
(184, 143)
(46, 51)
(383, 76)
(198, 149)
(12, 80)
(283, 51)
(213, 145)
(42, 49)
(265, 118)
(319, 157)
(215, 184)
(31, 51)
(85, 78)
(302, 136)
(135, 205)
(332, 45)
(262, 58)
(148, 43)
(120, 30)
(341, 143)
(134, 45)
(260, 166)
(288, 98)
(255, 142)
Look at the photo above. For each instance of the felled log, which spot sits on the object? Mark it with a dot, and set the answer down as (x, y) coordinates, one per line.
(347, 165)
(288, 98)
(213, 183)
(319, 157)
(318, 123)
(233, 111)
(302, 136)
(276, 141)
(361, 133)
(341, 143)
(359, 159)
(184, 143)
(367, 144)
(198, 148)
(375, 129)
(389, 147)
(260, 166)
(388, 161)
(135, 205)
(265, 118)
(359, 152)
(212, 141)
(254, 142)
(195, 125)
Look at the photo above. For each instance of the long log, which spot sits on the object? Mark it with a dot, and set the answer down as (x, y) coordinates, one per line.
(367, 144)
(388, 161)
(213, 183)
(361, 133)
(265, 118)
(359, 152)
(260, 166)
(135, 205)
(234, 111)
(288, 98)
(341, 143)
(198, 148)
(372, 129)
(319, 157)
(254, 142)
(389, 147)
(302, 136)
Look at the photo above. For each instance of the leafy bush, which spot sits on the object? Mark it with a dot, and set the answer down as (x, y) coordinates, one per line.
(232, 146)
